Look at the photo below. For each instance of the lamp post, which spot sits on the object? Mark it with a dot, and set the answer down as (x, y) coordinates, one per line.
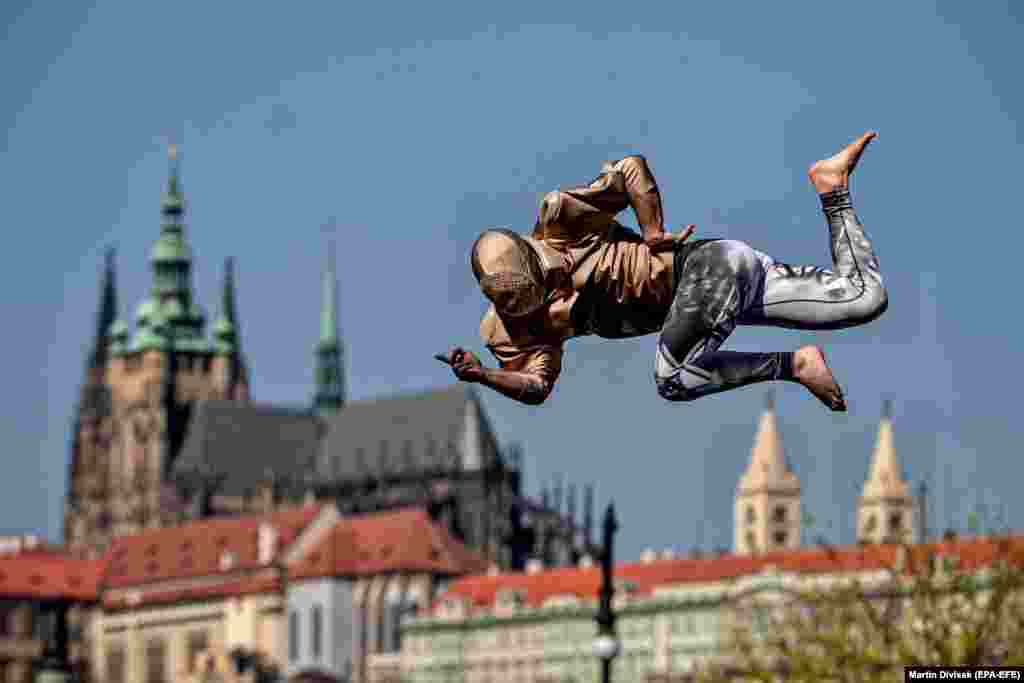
(53, 666)
(606, 645)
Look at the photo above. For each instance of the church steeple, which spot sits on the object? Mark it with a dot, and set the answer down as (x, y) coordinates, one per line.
(767, 510)
(886, 509)
(225, 330)
(169, 317)
(106, 314)
(330, 357)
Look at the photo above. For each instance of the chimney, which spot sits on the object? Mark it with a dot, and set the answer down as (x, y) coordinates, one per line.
(266, 543)
(534, 566)
(648, 556)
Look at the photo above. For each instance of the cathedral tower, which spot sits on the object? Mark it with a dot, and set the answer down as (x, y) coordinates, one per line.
(767, 514)
(885, 512)
(141, 389)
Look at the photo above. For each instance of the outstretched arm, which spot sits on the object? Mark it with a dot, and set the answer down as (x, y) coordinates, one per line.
(527, 386)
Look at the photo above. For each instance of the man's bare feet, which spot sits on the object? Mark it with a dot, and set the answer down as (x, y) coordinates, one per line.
(834, 173)
(811, 370)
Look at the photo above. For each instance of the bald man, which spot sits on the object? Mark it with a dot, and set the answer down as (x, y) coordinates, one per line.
(582, 273)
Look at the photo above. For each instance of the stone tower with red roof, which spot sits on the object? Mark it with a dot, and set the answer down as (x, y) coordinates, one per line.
(885, 511)
(767, 509)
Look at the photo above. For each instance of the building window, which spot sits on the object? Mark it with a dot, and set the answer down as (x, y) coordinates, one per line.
(751, 515)
(317, 630)
(780, 514)
(156, 662)
(895, 522)
(198, 643)
(115, 664)
(780, 538)
(293, 636)
(869, 525)
(6, 618)
(751, 542)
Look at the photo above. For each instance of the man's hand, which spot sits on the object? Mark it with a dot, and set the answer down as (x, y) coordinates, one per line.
(465, 365)
(666, 240)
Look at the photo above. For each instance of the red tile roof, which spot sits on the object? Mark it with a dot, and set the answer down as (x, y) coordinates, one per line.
(585, 583)
(196, 548)
(47, 573)
(400, 540)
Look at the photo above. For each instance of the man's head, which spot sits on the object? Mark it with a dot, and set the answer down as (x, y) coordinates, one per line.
(517, 274)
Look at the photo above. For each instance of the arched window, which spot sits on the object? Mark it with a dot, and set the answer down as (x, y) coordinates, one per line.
(316, 629)
(780, 514)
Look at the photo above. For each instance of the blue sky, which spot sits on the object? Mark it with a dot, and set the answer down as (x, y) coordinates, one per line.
(417, 125)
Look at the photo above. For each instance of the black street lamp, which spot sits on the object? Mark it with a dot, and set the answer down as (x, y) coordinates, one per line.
(606, 645)
(54, 666)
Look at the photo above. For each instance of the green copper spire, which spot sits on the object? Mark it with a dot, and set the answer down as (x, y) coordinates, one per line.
(225, 329)
(330, 360)
(169, 317)
(106, 314)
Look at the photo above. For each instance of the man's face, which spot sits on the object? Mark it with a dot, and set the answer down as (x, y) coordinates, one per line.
(519, 275)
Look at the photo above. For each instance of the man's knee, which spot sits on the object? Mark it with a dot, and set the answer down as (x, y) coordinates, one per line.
(633, 166)
(870, 306)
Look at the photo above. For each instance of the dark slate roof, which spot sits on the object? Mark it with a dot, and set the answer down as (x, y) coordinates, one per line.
(243, 441)
(419, 431)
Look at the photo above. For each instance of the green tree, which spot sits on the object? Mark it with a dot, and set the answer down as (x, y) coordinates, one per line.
(950, 604)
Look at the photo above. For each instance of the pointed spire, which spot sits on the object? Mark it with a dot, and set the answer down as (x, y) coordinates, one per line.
(169, 318)
(570, 506)
(225, 330)
(588, 515)
(329, 301)
(106, 314)
(885, 478)
(330, 359)
(768, 466)
(228, 292)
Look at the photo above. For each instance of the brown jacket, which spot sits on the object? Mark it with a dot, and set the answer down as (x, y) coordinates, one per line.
(615, 276)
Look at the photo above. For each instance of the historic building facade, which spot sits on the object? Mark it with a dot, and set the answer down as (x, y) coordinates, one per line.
(165, 430)
(538, 626)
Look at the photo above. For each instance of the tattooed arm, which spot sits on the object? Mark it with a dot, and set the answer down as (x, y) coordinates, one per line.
(530, 384)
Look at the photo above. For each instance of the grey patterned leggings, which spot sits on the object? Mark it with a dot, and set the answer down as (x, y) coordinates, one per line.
(726, 283)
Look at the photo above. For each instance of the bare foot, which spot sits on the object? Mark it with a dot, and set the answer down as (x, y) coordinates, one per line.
(833, 173)
(811, 370)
